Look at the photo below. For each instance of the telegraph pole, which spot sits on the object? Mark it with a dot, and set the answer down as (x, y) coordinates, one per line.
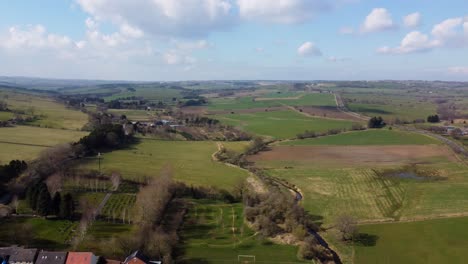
(99, 162)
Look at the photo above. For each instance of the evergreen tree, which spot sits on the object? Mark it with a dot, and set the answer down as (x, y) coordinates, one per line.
(56, 201)
(43, 201)
(376, 122)
(67, 207)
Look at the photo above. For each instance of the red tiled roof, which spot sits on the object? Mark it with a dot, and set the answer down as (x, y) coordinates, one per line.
(79, 257)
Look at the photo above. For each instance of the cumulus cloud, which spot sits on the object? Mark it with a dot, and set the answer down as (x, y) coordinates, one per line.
(189, 18)
(378, 20)
(282, 11)
(413, 42)
(309, 49)
(412, 20)
(451, 32)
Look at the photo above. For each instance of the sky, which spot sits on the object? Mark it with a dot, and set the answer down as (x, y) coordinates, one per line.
(170, 40)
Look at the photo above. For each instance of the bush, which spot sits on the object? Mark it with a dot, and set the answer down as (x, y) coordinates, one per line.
(376, 122)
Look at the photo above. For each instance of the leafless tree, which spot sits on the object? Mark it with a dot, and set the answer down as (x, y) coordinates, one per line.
(54, 183)
(116, 179)
(347, 225)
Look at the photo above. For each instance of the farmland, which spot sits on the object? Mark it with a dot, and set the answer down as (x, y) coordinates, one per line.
(368, 137)
(190, 162)
(415, 242)
(314, 99)
(51, 114)
(26, 142)
(216, 233)
(281, 124)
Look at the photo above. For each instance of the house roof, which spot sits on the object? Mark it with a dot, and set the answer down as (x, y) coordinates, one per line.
(80, 258)
(46, 257)
(136, 258)
(109, 261)
(23, 254)
(5, 251)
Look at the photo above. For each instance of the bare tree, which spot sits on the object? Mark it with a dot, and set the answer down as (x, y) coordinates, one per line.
(116, 179)
(15, 203)
(347, 225)
(54, 183)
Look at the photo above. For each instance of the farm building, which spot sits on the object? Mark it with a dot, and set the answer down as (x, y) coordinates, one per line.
(81, 258)
(47, 257)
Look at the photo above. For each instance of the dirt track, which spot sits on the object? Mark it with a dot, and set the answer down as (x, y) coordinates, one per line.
(355, 155)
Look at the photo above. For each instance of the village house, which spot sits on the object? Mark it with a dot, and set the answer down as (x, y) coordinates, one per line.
(138, 258)
(20, 255)
(46, 257)
(81, 258)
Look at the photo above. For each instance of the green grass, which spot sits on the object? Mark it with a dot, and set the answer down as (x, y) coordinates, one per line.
(190, 162)
(329, 192)
(434, 241)
(216, 233)
(6, 116)
(368, 137)
(281, 124)
(47, 234)
(315, 99)
(51, 114)
(26, 142)
(134, 115)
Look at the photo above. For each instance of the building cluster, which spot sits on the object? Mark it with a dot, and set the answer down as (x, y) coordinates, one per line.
(20, 255)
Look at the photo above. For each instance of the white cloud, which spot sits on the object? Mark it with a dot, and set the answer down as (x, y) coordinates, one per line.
(412, 20)
(282, 11)
(308, 49)
(259, 50)
(458, 70)
(451, 32)
(33, 37)
(378, 20)
(189, 18)
(413, 42)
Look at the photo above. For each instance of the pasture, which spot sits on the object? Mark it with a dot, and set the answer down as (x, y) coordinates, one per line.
(190, 162)
(281, 124)
(380, 137)
(291, 99)
(26, 142)
(215, 232)
(51, 114)
(431, 241)
(346, 179)
(45, 234)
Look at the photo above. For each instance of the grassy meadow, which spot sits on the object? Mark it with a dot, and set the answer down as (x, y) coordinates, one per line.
(281, 124)
(26, 142)
(190, 162)
(431, 241)
(51, 114)
(296, 99)
(367, 137)
(215, 233)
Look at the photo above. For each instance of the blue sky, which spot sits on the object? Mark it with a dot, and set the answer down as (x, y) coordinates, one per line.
(235, 39)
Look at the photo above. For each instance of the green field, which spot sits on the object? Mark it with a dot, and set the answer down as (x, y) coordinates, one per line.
(26, 142)
(433, 241)
(134, 115)
(4, 116)
(281, 124)
(368, 137)
(190, 162)
(390, 104)
(46, 234)
(51, 114)
(119, 206)
(216, 233)
(315, 99)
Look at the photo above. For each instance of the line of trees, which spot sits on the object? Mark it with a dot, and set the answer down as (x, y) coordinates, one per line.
(11, 171)
(41, 201)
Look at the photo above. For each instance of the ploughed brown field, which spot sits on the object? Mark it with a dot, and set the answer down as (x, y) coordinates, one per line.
(355, 155)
